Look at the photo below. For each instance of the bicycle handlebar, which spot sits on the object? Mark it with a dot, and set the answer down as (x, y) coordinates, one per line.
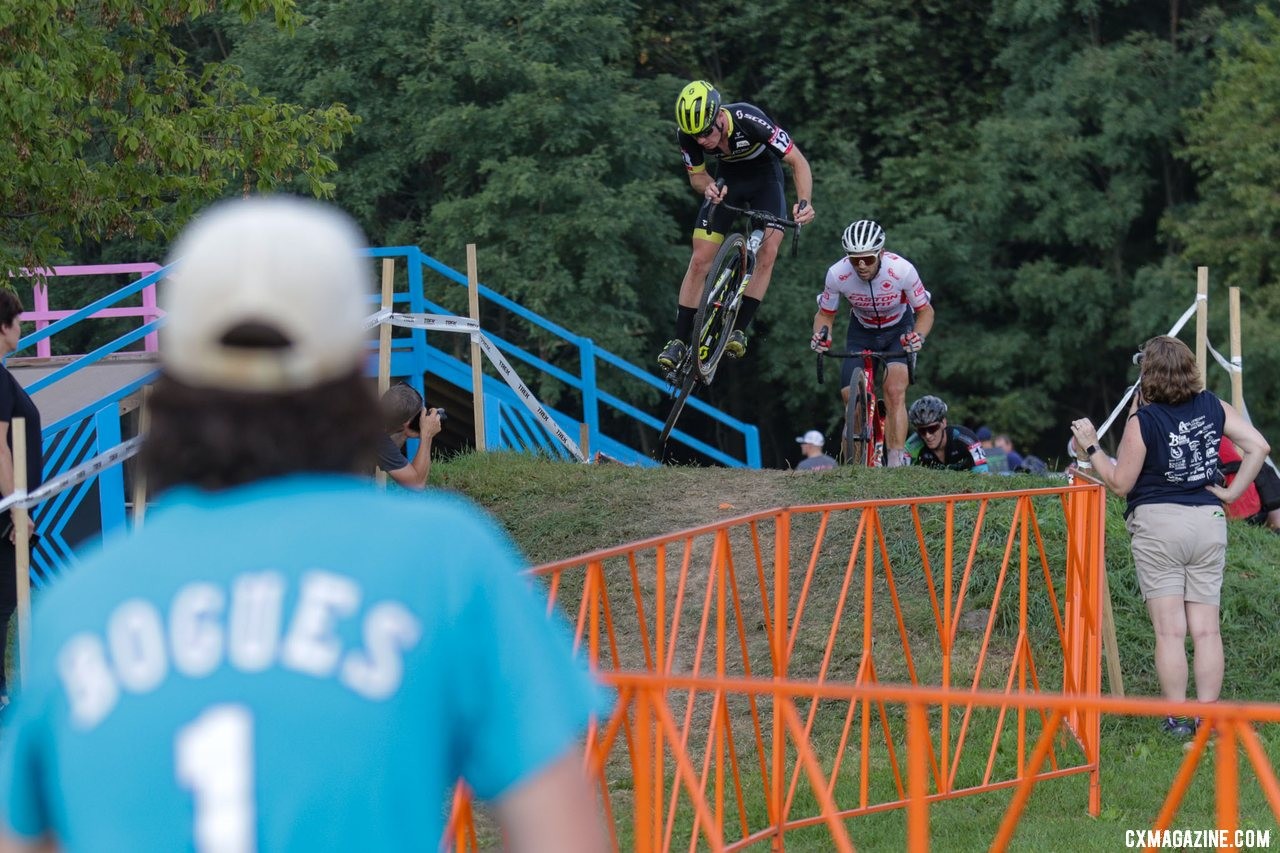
(763, 216)
(881, 356)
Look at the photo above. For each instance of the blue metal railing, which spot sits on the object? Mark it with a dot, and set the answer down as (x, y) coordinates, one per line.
(95, 427)
(585, 381)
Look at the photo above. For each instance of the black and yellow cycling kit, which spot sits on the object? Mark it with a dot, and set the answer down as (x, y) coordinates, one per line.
(750, 168)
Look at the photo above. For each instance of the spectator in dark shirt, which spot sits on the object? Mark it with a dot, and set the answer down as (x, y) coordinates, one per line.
(997, 461)
(1167, 469)
(811, 448)
(404, 417)
(14, 403)
(1002, 442)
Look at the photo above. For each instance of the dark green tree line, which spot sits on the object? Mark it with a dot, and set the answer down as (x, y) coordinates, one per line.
(110, 131)
(1055, 168)
(1233, 141)
(518, 127)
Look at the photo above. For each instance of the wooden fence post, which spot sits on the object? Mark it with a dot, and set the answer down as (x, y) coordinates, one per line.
(140, 477)
(384, 345)
(477, 367)
(1237, 377)
(21, 545)
(1202, 320)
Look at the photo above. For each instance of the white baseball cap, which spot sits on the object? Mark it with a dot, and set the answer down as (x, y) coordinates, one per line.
(811, 437)
(283, 263)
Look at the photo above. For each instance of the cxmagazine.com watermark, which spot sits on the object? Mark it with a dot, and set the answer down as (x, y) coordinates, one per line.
(1187, 839)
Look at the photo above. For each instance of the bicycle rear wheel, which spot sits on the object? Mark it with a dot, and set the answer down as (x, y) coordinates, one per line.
(716, 312)
(858, 441)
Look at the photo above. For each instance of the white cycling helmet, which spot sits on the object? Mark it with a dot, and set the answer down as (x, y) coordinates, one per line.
(863, 237)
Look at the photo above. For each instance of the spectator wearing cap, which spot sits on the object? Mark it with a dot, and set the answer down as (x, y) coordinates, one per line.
(1004, 443)
(811, 448)
(997, 460)
(286, 655)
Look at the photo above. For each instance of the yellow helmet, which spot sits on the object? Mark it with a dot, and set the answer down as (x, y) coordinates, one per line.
(697, 107)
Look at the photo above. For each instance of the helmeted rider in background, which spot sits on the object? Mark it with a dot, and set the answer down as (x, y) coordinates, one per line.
(889, 309)
(749, 146)
(936, 444)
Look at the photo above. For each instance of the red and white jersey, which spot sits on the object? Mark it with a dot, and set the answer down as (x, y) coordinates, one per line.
(878, 303)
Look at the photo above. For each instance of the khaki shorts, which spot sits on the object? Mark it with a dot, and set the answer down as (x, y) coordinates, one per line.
(1179, 551)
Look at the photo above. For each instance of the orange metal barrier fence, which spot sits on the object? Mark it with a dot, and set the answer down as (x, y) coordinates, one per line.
(748, 656)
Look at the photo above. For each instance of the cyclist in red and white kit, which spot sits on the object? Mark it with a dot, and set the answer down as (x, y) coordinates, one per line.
(889, 309)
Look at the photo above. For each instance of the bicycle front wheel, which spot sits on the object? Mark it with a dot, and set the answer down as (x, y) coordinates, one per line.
(683, 392)
(718, 308)
(858, 442)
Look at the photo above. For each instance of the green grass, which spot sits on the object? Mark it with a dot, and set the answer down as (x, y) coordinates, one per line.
(555, 510)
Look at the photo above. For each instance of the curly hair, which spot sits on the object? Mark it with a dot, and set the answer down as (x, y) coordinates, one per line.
(217, 439)
(1169, 373)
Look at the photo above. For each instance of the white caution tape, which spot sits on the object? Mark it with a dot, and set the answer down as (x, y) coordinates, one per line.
(438, 322)
(75, 476)
(1232, 366)
(1187, 315)
(377, 318)
(530, 402)
(1124, 401)
(465, 325)
(1235, 366)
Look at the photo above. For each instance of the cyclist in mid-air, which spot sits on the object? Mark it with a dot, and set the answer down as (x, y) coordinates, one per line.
(749, 146)
(889, 308)
(936, 444)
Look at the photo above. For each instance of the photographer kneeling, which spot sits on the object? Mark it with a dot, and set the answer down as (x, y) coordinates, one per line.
(404, 417)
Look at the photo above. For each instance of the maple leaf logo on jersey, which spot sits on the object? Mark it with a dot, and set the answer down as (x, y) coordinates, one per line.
(887, 285)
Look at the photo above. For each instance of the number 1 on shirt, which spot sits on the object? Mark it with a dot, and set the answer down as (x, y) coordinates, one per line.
(214, 760)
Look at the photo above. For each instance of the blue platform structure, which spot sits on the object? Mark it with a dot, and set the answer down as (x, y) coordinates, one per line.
(582, 384)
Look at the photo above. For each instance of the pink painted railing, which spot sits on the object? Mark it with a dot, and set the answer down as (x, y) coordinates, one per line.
(42, 315)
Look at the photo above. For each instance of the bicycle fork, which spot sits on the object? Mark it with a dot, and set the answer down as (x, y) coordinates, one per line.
(873, 429)
(878, 436)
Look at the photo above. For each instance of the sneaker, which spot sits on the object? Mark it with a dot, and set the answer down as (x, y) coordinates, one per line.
(736, 346)
(1179, 727)
(673, 354)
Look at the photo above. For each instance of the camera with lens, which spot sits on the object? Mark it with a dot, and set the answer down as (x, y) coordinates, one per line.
(412, 426)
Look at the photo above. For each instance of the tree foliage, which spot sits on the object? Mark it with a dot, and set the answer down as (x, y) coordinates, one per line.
(1233, 140)
(110, 131)
(1054, 168)
(516, 126)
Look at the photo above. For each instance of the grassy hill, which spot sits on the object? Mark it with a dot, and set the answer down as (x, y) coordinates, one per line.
(556, 510)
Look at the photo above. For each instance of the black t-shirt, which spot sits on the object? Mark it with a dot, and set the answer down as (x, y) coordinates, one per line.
(16, 403)
(1182, 452)
(390, 457)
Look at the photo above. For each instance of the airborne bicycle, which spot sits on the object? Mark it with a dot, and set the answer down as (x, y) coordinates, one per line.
(862, 437)
(722, 294)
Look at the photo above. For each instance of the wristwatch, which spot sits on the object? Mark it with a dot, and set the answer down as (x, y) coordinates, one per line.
(1090, 450)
